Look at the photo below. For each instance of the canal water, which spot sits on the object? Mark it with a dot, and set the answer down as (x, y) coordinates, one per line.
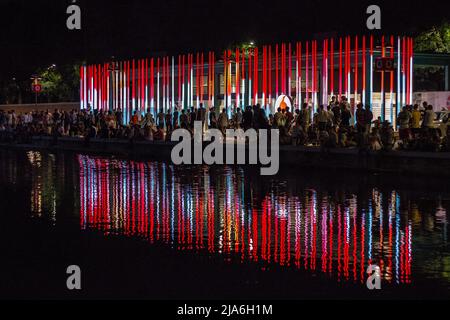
(143, 229)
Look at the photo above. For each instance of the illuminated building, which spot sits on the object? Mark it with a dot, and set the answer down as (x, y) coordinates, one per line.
(377, 71)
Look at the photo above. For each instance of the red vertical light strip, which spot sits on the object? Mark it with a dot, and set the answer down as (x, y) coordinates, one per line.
(307, 72)
(391, 80)
(203, 76)
(270, 75)
(276, 71)
(196, 77)
(200, 80)
(100, 85)
(316, 70)
(119, 86)
(332, 66)
(364, 69)
(213, 72)
(382, 80)
(256, 75)
(356, 68)
(183, 79)
(300, 73)
(143, 85)
(243, 77)
(250, 52)
(404, 67)
(237, 78)
(411, 71)
(82, 81)
(408, 67)
(283, 68)
(97, 87)
(139, 85)
(289, 72)
(347, 68)
(264, 75)
(133, 85)
(340, 67)
(147, 84)
(152, 83)
(179, 79)
(94, 79)
(313, 70)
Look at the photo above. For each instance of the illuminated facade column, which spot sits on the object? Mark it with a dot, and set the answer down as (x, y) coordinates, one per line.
(307, 72)
(411, 69)
(371, 74)
(399, 81)
(364, 65)
(255, 80)
(340, 68)
(276, 72)
(391, 83)
(158, 100)
(237, 82)
(355, 53)
(383, 98)
(331, 67)
(270, 79)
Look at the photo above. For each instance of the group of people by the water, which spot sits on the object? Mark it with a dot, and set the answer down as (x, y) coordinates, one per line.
(330, 126)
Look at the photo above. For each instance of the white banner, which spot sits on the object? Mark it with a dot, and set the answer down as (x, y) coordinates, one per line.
(438, 99)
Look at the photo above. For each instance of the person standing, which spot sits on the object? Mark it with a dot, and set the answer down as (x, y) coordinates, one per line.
(160, 119)
(415, 119)
(403, 120)
(223, 121)
(429, 117)
(175, 117)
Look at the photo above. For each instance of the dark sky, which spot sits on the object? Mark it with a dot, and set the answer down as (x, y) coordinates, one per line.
(33, 33)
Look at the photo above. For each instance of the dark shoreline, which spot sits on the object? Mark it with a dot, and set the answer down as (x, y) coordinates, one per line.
(429, 164)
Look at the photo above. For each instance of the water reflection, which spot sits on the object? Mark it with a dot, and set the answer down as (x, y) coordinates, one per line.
(221, 212)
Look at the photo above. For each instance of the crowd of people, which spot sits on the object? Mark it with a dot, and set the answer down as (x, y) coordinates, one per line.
(330, 126)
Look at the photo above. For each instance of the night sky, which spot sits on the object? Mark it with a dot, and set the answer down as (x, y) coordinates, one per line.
(34, 33)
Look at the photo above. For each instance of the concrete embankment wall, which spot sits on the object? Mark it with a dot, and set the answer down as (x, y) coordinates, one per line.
(23, 108)
(398, 162)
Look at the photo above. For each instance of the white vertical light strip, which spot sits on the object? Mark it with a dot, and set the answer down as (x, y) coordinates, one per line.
(124, 95)
(411, 80)
(168, 86)
(84, 87)
(250, 92)
(236, 84)
(157, 93)
(231, 88)
(371, 82)
(192, 87)
(243, 93)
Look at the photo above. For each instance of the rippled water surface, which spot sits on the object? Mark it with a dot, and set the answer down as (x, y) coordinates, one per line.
(326, 225)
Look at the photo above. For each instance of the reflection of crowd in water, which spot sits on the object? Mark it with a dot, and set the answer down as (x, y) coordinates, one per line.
(330, 126)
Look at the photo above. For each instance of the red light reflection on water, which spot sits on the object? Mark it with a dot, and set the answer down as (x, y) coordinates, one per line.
(306, 231)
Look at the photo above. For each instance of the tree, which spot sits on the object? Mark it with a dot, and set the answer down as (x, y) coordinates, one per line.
(60, 84)
(435, 40)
